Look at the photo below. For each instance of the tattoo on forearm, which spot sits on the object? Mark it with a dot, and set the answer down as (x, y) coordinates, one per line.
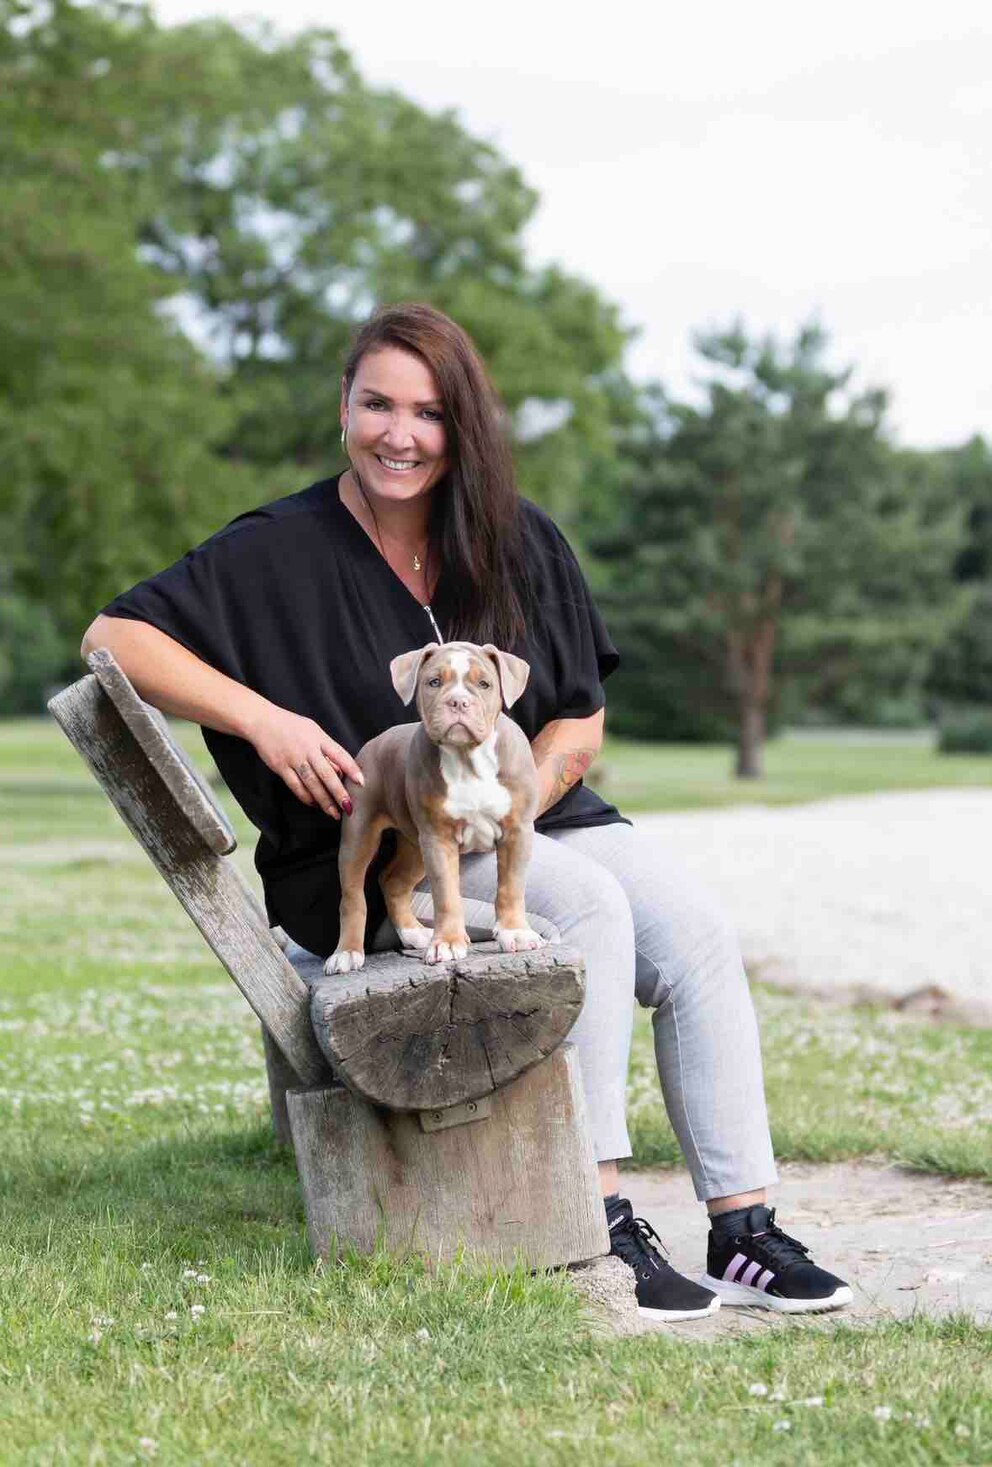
(568, 766)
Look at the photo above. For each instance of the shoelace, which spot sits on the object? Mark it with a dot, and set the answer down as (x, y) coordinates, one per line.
(632, 1241)
(779, 1249)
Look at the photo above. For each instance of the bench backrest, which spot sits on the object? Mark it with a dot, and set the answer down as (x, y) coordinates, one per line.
(172, 813)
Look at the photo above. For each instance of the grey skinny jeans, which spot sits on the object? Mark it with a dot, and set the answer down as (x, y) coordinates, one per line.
(646, 928)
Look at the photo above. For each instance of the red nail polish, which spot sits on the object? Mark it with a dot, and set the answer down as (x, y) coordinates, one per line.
(347, 806)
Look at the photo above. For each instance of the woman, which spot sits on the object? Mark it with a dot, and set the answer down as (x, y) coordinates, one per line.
(276, 636)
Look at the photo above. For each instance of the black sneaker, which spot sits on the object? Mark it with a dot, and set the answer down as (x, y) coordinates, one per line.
(662, 1294)
(760, 1266)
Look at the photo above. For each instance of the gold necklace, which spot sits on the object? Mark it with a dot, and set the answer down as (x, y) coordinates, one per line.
(417, 564)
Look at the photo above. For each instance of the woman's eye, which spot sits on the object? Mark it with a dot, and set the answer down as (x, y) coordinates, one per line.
(433, 415)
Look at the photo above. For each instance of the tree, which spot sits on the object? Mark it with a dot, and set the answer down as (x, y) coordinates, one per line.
(109, 417)
(961, 667)
(773, 534)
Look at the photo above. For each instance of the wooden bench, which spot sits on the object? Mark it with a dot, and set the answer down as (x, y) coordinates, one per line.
(429, 1108)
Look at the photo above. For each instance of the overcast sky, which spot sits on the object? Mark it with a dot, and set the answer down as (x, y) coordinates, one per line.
(772, 161)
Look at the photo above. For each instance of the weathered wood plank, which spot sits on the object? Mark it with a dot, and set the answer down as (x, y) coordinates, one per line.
(190, 792)
(520, 1184)
(209, 886)
(413, 1037)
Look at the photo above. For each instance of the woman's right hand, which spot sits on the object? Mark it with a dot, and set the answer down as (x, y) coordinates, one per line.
(310, 762)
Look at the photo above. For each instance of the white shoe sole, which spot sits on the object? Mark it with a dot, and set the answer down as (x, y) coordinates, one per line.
(672, 1316)
(744, 1297)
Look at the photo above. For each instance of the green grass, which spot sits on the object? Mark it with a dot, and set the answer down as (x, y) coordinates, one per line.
(138, 1179)
(798, 767)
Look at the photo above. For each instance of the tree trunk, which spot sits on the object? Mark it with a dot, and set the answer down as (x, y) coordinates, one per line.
(750, 658)
(751, 742)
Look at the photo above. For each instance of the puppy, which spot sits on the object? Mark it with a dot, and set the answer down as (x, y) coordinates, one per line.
(463, 779)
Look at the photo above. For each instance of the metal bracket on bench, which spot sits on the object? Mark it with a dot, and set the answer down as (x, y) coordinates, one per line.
(455, 1115)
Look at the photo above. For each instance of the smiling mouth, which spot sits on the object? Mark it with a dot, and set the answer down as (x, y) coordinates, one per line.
(399, 465)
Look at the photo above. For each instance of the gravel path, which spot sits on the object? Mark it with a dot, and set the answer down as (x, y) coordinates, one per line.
(908, 1244)
(892, 892)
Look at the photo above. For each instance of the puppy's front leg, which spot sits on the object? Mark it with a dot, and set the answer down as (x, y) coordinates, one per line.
(359, 843)
(449, 938)
(512, 856)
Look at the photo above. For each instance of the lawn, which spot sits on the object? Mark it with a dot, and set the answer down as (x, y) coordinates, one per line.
(157, 1300)
(799, 766)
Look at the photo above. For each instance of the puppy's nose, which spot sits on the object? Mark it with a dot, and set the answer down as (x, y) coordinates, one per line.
(458, 702)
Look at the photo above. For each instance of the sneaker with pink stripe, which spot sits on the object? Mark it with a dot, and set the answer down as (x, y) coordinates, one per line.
(752, 1263)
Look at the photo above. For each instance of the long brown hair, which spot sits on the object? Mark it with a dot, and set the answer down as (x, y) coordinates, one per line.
(475, 527)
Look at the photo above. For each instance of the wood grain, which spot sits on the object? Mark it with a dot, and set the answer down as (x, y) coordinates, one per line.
(414, 1037)
(520, 1185)
(209, 886)
(191, 793)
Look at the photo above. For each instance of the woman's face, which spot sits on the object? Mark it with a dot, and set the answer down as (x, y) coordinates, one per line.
(394, 416)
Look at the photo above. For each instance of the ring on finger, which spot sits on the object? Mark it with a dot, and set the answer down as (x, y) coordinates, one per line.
(303, 769)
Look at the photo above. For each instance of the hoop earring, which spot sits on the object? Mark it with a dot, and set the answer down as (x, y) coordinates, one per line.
(344, 434)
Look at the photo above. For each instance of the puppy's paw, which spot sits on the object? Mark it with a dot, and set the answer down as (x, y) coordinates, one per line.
(344, 961)
(418, 937)
(518, 939)
(443, 952)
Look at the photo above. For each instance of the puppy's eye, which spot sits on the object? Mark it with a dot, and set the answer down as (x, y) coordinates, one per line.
(433, 682)
(483, 683)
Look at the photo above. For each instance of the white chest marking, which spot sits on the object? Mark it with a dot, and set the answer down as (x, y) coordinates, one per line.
(475, 795)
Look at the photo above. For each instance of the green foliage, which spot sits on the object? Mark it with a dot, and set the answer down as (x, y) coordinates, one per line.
(771, 545)
(970, 470)
(966, 731)
(961, 668)
(109, 419)
(32, 654)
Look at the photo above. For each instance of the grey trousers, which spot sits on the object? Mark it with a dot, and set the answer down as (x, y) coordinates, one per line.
(646, 929)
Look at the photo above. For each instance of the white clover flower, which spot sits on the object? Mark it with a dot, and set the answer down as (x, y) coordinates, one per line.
(204, 1278)
(172, 1314)
(810, 1401)
(189, 1273)
(422, 1334)
(148, 1445)
(882, 1413)
(777, 1396)
(758, 1389)
(197, 1309)
(782, 1426)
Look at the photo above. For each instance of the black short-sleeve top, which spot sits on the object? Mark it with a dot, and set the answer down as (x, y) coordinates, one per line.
(294, 600)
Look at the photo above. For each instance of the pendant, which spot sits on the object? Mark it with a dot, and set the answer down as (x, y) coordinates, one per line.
(416, 561)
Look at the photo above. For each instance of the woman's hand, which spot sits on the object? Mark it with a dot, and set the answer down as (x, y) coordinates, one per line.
(306, 758)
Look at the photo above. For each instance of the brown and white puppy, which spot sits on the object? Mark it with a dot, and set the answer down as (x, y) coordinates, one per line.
(462, 779)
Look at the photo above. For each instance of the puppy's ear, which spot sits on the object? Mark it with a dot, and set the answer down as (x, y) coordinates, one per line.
(513, 673)
(405, 669)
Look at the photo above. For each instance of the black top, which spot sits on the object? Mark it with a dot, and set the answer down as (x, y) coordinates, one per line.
(295, 601)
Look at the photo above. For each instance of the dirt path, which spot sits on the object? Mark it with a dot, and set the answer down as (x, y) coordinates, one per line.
(890, 892)
(906, 1242)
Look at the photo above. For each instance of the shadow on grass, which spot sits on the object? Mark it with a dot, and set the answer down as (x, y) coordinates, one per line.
(210, 1194)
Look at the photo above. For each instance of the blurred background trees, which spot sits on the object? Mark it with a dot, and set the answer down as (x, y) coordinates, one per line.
(773, 552)
(192, 222)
